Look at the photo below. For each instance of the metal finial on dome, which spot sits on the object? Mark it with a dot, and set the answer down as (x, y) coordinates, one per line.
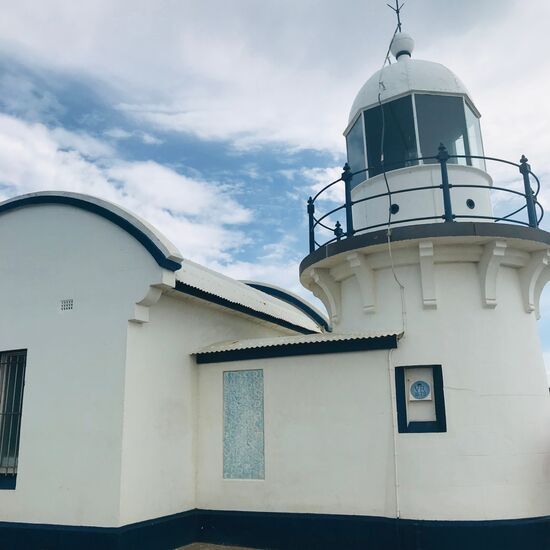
(397, 11)
(402, 44)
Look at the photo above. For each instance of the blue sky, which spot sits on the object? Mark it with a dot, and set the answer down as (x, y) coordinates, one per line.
(214, 120)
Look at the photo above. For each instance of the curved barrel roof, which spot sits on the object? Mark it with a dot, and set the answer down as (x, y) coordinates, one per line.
(163, 251)
(212, 285)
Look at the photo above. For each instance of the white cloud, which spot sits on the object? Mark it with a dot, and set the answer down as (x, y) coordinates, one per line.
(149, 139)
(160, 187)
(21, 96)
(257, 73)
(254, 73)
(319, 178)
(118, 133)
(81, 142)
(277, 263)
(121, 134)
(282, 274)
(200, 217)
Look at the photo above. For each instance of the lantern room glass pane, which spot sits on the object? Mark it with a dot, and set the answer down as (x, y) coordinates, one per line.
(474, 137)
(441, 120)
(399, 136)
(356, 151)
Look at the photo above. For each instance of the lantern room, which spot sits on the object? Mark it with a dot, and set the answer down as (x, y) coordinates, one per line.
(405, 111)
(415, 156)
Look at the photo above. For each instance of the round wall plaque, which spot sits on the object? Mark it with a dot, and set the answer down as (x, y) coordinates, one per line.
(420, 389)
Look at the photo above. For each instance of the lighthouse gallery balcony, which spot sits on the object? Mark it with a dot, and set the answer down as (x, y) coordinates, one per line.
(438, 190)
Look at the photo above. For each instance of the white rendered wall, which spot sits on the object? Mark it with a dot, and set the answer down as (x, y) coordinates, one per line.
(71, 431)
(161, 398)
(420, 204)
(328, 437)
(109, 407)
(492, 463)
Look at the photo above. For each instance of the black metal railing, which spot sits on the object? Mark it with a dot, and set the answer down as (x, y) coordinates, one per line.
(529, 203)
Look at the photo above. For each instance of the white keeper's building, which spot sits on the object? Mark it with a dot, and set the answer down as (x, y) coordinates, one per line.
(147, 402)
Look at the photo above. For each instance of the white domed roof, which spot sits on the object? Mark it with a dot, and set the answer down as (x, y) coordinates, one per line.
(407, 75)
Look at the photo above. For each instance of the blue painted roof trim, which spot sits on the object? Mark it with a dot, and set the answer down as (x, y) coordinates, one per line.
(113, 217)
(306, 348)
(213, 298)
(294, 301)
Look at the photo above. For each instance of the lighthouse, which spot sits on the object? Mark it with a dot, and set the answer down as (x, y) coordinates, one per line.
(428, 245)
(149, 402)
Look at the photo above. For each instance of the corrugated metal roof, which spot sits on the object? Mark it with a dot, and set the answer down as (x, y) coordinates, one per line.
(253, 343)
(212, 282)
(293, 299)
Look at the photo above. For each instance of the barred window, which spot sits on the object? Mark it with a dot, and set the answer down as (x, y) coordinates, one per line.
(12, 381)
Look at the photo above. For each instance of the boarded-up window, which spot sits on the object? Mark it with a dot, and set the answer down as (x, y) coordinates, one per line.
(243, 422)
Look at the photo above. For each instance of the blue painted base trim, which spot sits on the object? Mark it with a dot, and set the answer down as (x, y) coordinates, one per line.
(331, 532)
(163, 533)
(279, 531)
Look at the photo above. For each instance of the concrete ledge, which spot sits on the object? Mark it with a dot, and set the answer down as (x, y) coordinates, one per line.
(425, 231)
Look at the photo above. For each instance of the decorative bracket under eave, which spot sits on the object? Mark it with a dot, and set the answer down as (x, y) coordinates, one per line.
(489, 266)
(141, 308)
(427, 274)
(328, 291)
(529, 277)
(364, 276)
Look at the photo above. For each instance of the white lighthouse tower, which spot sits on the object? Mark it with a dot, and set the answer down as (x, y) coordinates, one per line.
(148, 402)
(428, 245)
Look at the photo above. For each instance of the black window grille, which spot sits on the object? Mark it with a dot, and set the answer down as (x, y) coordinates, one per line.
(12, 381)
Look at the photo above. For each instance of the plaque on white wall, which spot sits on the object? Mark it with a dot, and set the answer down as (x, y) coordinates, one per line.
(420, 390)
(420, 399)
(243, 424)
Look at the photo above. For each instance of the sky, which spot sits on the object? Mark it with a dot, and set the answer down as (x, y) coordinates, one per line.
(215, 120)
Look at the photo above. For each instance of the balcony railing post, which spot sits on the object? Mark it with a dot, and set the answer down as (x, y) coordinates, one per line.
(338, 231)
(443, 157)
(310, 213)
(525, 170)
(347, 176)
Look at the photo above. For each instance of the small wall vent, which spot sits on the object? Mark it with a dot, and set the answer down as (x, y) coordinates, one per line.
(66, 304)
